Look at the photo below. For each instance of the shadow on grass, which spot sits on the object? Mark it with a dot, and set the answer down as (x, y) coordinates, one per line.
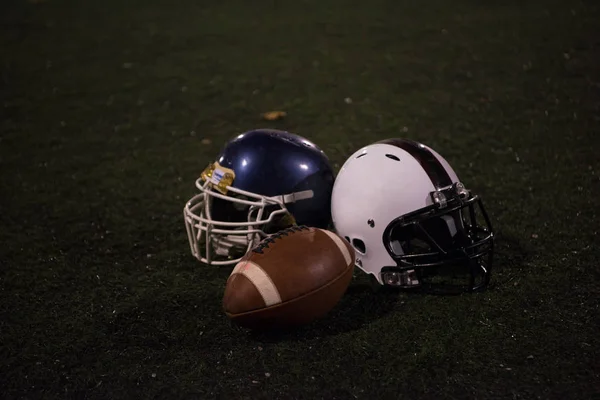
(363, 303)
(366, 302)
(181, 313)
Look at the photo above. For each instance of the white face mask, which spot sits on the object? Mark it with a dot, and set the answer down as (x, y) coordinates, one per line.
(223, 222)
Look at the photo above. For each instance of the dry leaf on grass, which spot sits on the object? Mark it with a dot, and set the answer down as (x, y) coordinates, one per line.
(274, 115)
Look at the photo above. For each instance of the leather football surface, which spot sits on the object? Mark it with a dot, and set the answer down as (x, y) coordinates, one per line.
(289, 279)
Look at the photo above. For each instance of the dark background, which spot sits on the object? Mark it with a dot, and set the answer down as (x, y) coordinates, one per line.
(111, 109)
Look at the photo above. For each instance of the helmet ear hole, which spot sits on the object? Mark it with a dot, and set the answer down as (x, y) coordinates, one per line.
(359, 245)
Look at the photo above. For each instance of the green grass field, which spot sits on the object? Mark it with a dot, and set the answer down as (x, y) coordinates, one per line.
(111, 109)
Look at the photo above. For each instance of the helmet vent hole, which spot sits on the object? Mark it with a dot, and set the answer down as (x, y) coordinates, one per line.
(347, 239)
(359, 245)
(393, 157)
(361, 155)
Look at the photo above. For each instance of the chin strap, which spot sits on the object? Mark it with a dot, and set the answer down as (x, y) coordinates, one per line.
(404, 279)
(224, 245)
(297, 196)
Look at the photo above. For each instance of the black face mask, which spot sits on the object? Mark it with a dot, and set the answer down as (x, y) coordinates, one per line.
(446, 249)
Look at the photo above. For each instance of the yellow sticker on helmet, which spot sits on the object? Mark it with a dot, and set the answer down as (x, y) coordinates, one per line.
(219, 177)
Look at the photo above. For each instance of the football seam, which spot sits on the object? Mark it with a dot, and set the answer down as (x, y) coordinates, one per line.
(351, 266)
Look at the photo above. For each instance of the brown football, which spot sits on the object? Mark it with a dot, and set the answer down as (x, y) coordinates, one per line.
(289, 279)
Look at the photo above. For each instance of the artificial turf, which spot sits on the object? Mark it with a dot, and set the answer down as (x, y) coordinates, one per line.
(110, 110)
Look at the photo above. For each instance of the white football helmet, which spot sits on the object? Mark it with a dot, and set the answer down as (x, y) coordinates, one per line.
(410, 220)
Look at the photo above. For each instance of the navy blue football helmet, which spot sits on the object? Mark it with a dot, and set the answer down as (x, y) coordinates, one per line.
(263, 181)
